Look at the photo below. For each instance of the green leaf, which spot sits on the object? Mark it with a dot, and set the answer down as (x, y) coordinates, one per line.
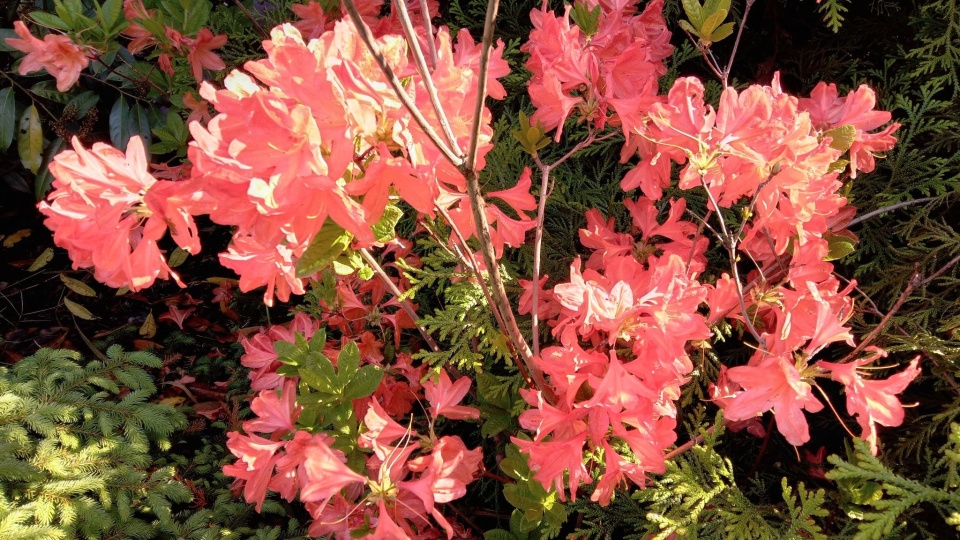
(83, 102)
(839, 246)
(496, 422)
(177, 257)
(348, 362)
(586, 18)
(327, 245)
(722, 33)
(689, 27)
(318, 373)
(8, 113)
(120, 123)
(499, 534)
(48, 90)
(364, 383)
(140, 125)
(384, 229)
(49, 20)
(842, 137)
(127, 121)
(694, 12)
(30, 140)
(77, 286)
(520, 497)
(44, 177)
(712, 21)
(112, 14)
(5, 34)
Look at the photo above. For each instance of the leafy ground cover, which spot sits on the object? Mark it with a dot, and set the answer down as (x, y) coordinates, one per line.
(378, 441)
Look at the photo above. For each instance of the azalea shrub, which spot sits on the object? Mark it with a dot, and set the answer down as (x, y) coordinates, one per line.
(350, 167)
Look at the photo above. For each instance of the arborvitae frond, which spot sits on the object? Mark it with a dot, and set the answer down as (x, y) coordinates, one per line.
(832, 11)
(887, 500)
(938, 56)
(698, 497)
(467, 323)
(77, 461)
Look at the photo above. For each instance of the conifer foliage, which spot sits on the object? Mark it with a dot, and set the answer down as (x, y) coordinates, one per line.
(75, 443)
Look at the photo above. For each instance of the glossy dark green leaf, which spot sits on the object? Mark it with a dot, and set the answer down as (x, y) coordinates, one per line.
(8, 118)
(83, 102)
(30, 140)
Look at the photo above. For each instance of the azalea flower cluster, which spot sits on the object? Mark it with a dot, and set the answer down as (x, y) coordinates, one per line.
(398, 476)
(279, 162)
(595, 72)
(109, 212)
(198, 50)
(776, 158)
(623, 323)
(312, 140)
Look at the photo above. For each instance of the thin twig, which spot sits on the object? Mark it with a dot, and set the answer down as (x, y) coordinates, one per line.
(886, 209)
(688, 445)
(702, 48)
(915, 281)
(488, 23)
(414, 42)
(397, 86)
(482, 226)
(249, 16)
(405, 304)
(942, 269)
(537, 245)
(147, 80)
(36, 102)
(736, 42)
(546, 186)
(763, 448)
(428, 25)
(731, 244)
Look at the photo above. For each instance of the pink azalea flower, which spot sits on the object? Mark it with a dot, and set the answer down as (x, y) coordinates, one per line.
(275, 414)
(56, 53)
(444, 396)
(872, 401)
(101, 211)
(254, 467)
(773, 383)
(201, 53)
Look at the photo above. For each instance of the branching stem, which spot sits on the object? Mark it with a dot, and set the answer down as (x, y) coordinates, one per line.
(914, 282)
(736, 43)
(405, 304)
(546, 187)
(397, 86)
(414, 42)
(885, 209)
(730, 243)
